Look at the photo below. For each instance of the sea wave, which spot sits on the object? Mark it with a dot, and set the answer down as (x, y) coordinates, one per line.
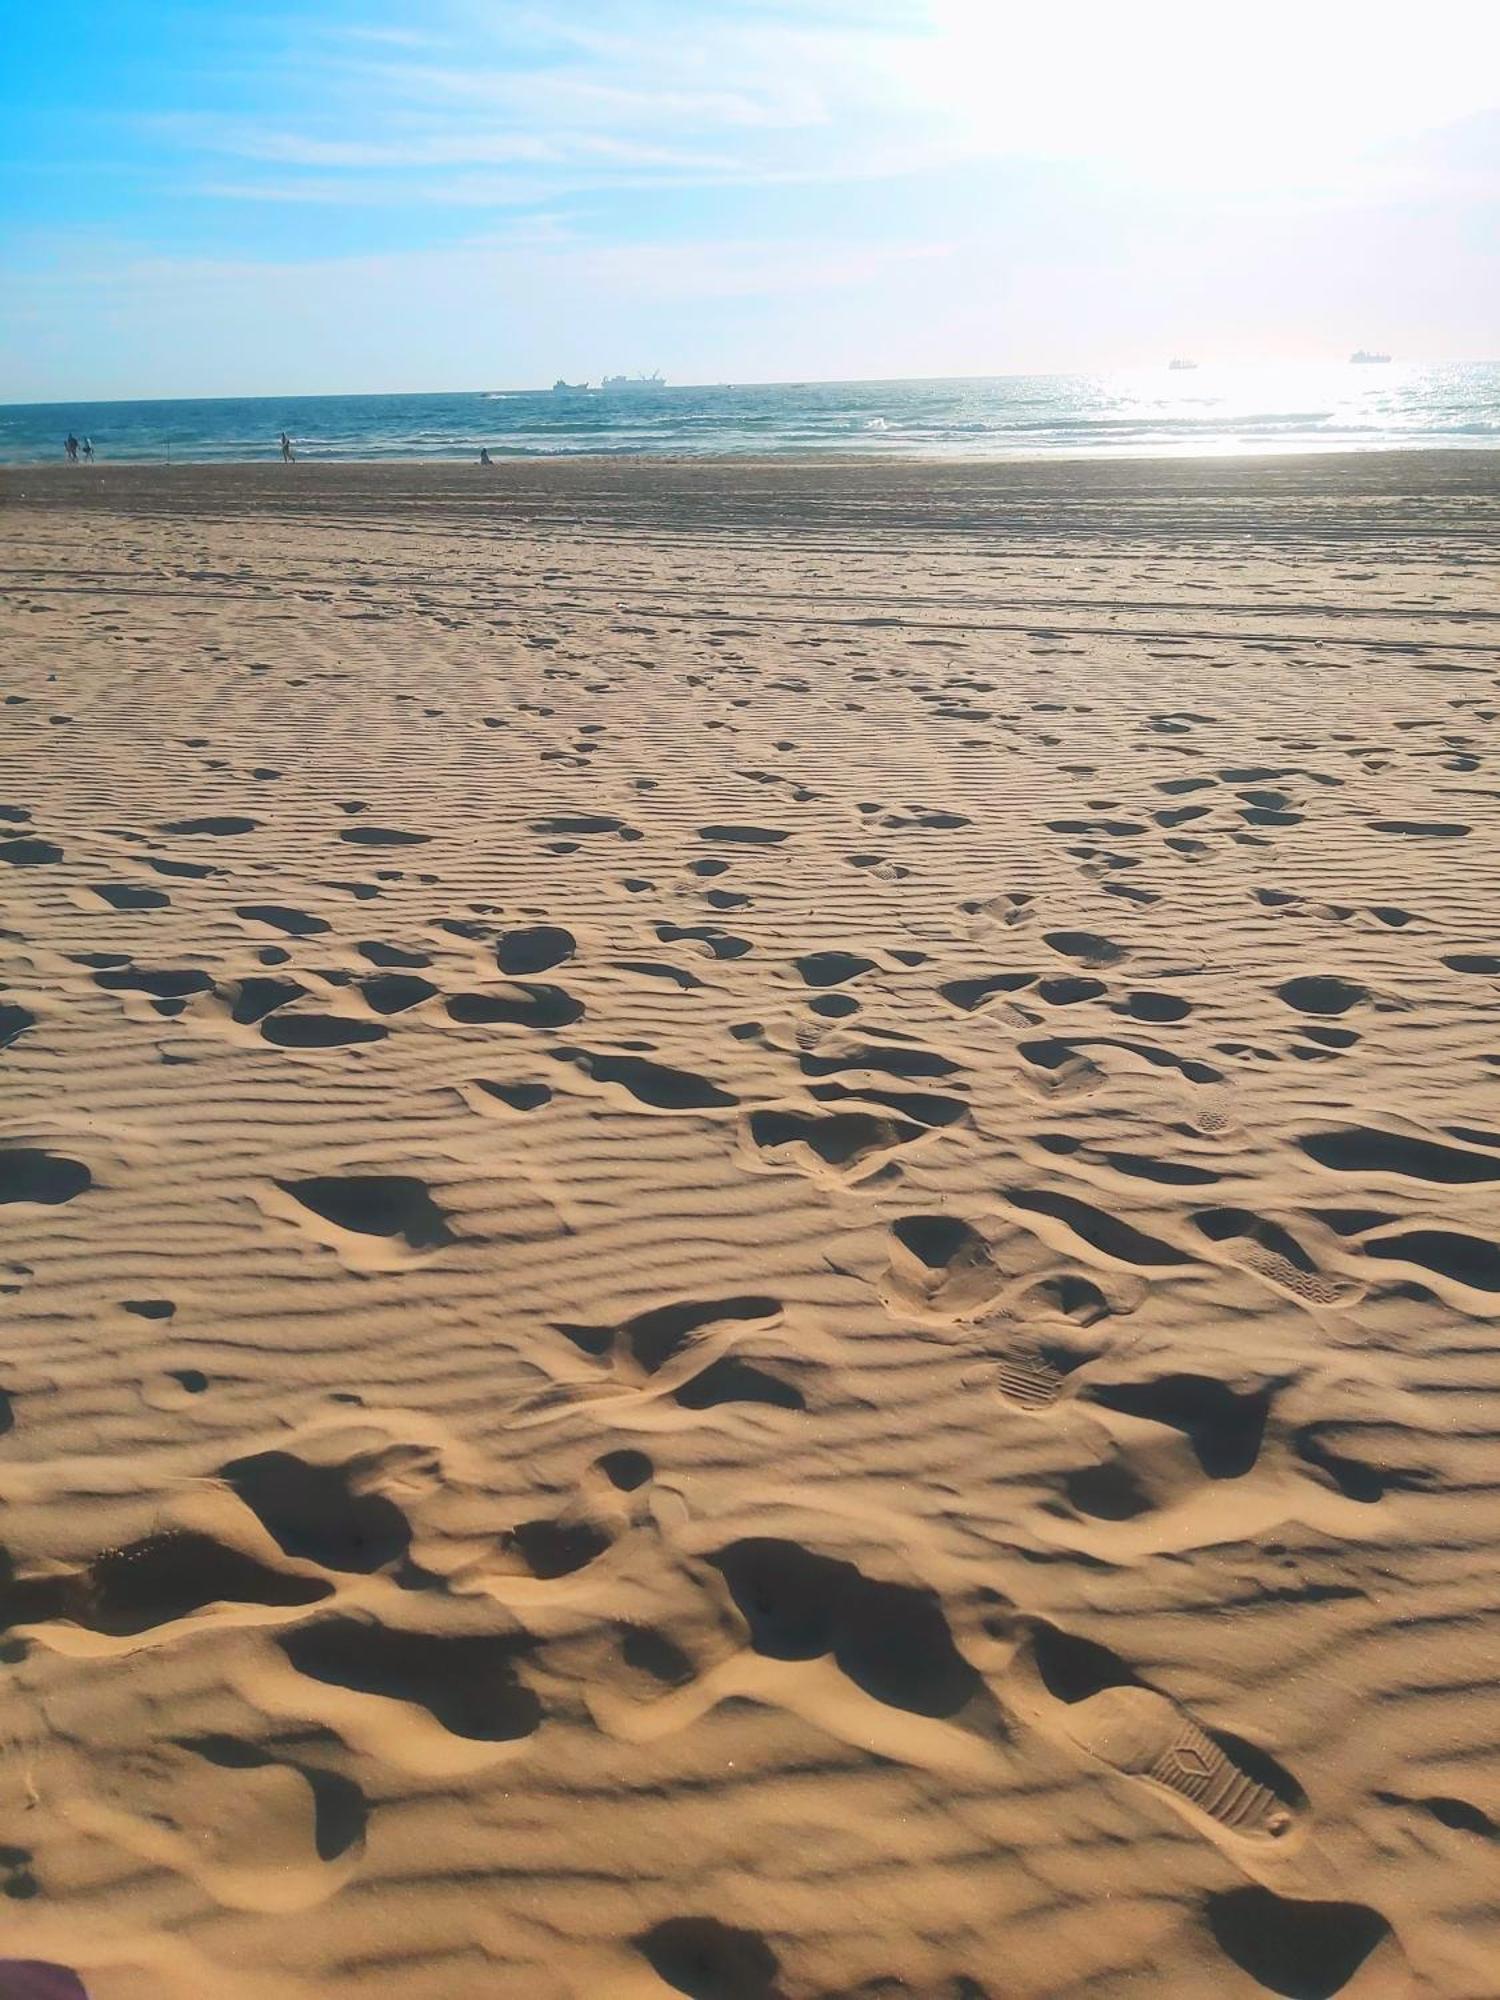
(1148, 413)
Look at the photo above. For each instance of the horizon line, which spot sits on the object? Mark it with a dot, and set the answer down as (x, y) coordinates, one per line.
(771, 382)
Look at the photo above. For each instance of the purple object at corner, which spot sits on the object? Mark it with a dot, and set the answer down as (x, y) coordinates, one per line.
(37, 1979)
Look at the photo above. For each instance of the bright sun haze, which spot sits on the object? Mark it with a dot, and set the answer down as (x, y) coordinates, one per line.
(386, 195)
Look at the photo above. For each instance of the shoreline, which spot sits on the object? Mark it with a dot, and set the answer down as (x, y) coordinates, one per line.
(1186, 457)
(1341, 496)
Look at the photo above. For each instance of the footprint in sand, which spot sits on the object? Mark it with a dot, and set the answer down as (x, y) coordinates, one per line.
(942, 1265)
(220, 826)
(29, 853)
(1034, 1370)
(393, 957)
(320, 1031)
(126, 896)
(657, 1086)
(1263, 1248)
(262, 1831)
(1357, 1459)
(890, 1639)
(700, 1956)
(330, 1514)
(1291, 1946)
(1223, 1426)
(746, 836)
(31, 1174)
(1365, 1150)
(467, 1683)
(852, 1144)
(1323, 994)
(381, 836)
(395, 992)
(374, 1221)
(1087, 947)
(535, 949)
(1087, 1696)
(127, 1591)
(279, 917)
(521, 1005)
(682, 1352)
(1109, 1235)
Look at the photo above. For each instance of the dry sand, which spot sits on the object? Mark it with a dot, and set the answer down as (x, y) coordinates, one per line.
(751, 1240)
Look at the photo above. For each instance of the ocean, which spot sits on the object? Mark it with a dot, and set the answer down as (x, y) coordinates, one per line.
(1157, 412)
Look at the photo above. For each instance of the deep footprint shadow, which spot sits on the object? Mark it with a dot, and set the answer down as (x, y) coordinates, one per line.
(311, 1513)
(1088, 947)
(1107, 1492)
(557, 1548)
(731, 1380)
(831, 968)
(1357, 1479)
(394, 992)
(221, 825)
(151, 1582)
(1102, 1231)
(650, 1339)
(320, 1031)
(258, 995)
(280, 917)
(892, 1640)
(14, 1021)
(26, 852)
(536, 949)
(656, 1084)
(539, 1006)
(1224, 1429)
(841, 1139)
(1305, 1951)
(340, 1811)
(29, 1174)
(1467, 1260)
(1359, 1149)
(708, 1960)
(1321, 993)
(375, 1205)
(468, 1684)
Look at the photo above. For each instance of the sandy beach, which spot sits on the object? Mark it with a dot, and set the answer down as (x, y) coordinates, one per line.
(750, 1229)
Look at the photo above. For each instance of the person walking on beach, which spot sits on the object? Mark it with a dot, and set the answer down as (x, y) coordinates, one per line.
(88, 449)
(288, 456)
(70, 446)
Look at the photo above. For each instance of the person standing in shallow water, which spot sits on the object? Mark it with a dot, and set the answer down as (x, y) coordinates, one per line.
(288, 456)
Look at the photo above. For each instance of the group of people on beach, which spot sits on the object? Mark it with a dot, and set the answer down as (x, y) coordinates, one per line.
(76, 448)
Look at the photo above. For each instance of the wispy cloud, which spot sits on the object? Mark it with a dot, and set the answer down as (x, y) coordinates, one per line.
(757, 92)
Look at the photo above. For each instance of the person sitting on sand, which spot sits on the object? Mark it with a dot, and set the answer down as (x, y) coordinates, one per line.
(288, 456)
(484, 455)
(70, 446)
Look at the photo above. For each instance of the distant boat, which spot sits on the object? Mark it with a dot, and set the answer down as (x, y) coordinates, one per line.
(1179, 365)
(631, 384)
(1365, 359)
(562, 388)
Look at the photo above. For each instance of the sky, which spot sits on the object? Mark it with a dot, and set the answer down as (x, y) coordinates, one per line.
(240, 197)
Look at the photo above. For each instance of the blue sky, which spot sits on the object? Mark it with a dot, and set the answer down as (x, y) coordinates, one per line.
(220, 198)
